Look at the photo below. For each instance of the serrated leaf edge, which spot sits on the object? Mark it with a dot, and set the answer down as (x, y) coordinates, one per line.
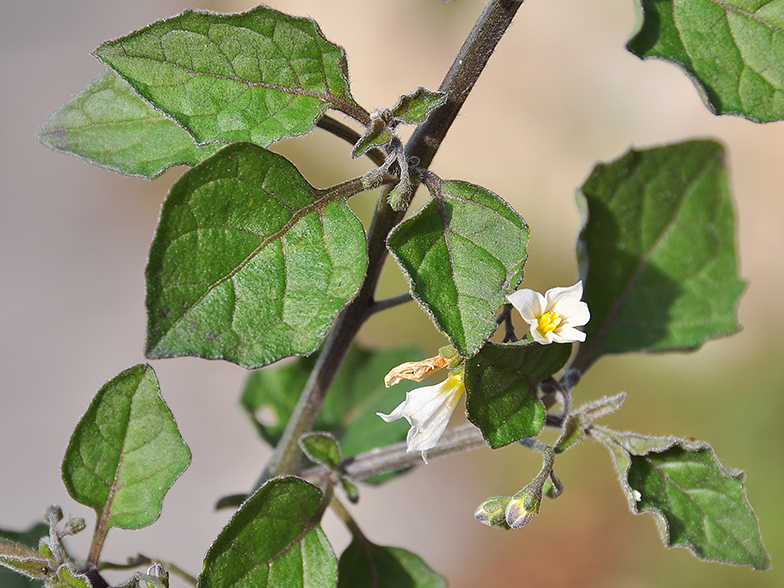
(661, 521)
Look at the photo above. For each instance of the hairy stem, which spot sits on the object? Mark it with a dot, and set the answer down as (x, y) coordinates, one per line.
(386, 459)
(465, 71)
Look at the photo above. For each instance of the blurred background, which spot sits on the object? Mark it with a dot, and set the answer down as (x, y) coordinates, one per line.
(560, 94)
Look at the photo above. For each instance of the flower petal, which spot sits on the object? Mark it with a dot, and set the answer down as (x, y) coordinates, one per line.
(529, 303)
(556, 297)
(567, 334)
(428, 410)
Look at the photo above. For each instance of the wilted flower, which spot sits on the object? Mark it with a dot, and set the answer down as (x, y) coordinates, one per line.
(428, 410)
(554, 316)
(415, 370)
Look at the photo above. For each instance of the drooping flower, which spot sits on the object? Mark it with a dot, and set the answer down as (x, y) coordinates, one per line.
(554, 316)
(428, 410)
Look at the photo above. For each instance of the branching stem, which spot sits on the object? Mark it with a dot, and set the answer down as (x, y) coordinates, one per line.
(465, 71)
(348, 134)
(391, 302)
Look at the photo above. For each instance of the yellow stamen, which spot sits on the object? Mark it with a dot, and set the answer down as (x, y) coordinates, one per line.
(549, 322)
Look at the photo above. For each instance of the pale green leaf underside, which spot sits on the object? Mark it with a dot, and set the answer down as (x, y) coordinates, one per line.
(733, 49)
(249, 263)
(111, 126)
(273, 541)
(18, 553)
(349, 411)
(463, 253)
(22, 559)
(501, 388)
(698, 504)
(257, 76)
(366, 565)
(126, 452)
(657, 251)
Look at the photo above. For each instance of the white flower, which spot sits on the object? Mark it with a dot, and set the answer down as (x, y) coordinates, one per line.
(554, 316)
(428, 410)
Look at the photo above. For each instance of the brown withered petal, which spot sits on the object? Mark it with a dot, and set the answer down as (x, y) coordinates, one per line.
(415, 370)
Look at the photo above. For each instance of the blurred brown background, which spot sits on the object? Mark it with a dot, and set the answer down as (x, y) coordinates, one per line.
(560, 94)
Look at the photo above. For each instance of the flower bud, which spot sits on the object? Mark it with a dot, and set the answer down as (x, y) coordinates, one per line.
(156, 571)
(521, 509)
(73, 526)
(53, 514)
(492, 512)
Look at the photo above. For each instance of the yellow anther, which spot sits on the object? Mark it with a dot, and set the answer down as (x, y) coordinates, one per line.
(549, 322)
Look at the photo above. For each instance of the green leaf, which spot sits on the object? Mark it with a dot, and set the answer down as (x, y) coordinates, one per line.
(377, 134)
(697, 503)
(349, 410)
(366, 565)
(274, 539)
(257, 76)
(732, 49)
(657, 251)
(250, 263)
(19, 553)
(111, 126)
(126, 452)
(502, 383)
(321, 448)
(67, 577)
(462, 254)
(414, 108)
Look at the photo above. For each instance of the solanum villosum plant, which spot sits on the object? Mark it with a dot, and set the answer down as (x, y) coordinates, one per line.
(251, 264)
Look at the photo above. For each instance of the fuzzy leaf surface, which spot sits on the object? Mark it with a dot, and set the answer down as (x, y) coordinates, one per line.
(732, 49)
(274, 540)
(415, 107)
(68, 578)
(108, 124)
(321, 448)
(21, 559)
(697, 503)
(256, 76)
(502, 388)
(249, 263)
(349, 410)
(366, 565)
(126, 452)
(462, 253)
(657, 251)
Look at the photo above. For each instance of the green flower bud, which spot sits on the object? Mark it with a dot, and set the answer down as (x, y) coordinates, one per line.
(53, 514)
(73, 526)
(492, 512)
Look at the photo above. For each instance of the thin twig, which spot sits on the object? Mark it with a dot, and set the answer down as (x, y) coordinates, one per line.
(391, 302)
